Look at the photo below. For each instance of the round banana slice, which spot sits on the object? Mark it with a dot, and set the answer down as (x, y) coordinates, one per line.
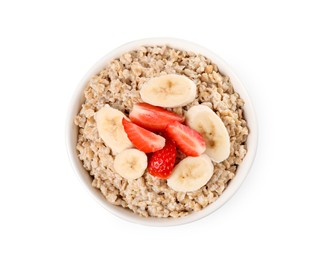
(131, 164)
(111, 130)
(203, 119)
(191, 174)
(169, 91)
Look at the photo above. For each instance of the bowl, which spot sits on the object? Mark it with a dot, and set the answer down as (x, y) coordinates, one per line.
(235, 183)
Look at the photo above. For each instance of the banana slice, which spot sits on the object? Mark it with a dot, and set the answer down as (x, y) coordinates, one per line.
(210, 126)
(131, 164)
(169, 91)
(110, 128)
(191, 173)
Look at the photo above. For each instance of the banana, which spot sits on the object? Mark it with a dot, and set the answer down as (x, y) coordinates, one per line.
(168, 91)
(191, 173)
(203, 119)
(131, 164)
(110, 128)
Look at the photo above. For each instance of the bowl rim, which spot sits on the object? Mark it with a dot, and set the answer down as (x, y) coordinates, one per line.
(242, 171)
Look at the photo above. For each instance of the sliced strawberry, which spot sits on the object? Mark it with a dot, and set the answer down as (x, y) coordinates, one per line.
(143, 139)
(161, 163)
(189, 141)
(153, 118)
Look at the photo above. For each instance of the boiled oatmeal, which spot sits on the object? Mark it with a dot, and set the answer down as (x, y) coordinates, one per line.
(118, 85)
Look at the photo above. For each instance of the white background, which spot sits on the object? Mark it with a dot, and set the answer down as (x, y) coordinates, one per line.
(280, 50)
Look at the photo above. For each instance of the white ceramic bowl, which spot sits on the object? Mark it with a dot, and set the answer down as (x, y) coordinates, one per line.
(242, 171)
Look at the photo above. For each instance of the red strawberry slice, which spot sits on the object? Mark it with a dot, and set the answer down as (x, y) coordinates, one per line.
(143, 139)
(161, 163)
(152, 117)
(189, 141)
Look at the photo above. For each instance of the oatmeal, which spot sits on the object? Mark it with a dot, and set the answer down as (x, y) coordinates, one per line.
(119, 85)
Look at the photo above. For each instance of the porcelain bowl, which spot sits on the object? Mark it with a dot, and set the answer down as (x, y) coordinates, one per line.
(235, 183)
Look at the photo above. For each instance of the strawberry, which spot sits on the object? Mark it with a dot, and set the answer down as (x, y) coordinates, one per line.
(189, 141)
(143, 139)
(152, 117)
(161, 163)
